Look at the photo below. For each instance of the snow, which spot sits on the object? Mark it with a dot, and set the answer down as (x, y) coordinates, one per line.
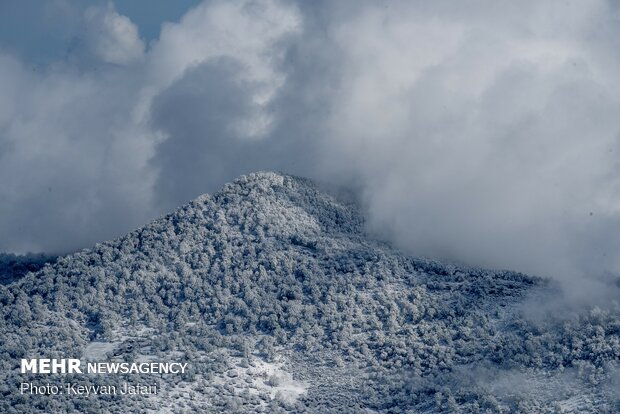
(98, 351)
(261, 377)
(271, 377)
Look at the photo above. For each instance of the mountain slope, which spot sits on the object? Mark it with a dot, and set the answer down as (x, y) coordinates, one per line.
(280, 302)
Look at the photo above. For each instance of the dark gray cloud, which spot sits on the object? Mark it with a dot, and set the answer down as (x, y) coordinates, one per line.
(483, 132)
(198, 113)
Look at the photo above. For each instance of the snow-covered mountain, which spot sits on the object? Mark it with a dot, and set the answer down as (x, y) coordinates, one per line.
(279, 302)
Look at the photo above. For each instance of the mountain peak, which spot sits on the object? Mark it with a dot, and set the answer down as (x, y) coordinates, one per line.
(279, 204)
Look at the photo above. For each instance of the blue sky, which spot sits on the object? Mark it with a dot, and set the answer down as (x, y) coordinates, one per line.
(42, 32)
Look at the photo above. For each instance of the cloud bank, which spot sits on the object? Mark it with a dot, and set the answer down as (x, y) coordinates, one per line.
(482, 131)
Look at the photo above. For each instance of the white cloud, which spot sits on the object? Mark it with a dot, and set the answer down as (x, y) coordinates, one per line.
(244, 31)
(485, 137)
(113, 37)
